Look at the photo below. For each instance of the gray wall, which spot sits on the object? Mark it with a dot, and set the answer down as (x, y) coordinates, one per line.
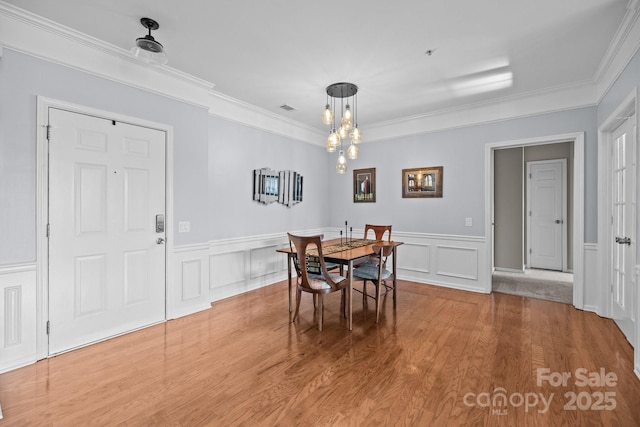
(22, 78)
(234, 152)
(213, 160)
(461, 153)
(508, 209)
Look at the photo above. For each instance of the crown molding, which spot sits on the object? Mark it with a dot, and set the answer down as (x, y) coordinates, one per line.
(31, 34)
(28, 33)
(621, 50)
(555, 99)
(221, 105)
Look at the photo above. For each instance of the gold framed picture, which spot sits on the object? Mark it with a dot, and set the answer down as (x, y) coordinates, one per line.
(422, 182)
(364, 185)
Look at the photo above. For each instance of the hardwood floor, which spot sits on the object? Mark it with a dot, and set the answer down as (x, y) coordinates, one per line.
(443, 357)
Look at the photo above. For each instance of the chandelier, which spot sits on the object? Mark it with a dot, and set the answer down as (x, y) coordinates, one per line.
(336, 93)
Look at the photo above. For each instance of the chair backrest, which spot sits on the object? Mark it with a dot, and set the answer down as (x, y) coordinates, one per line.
(383, 250)
(378, 231)
(300, 245)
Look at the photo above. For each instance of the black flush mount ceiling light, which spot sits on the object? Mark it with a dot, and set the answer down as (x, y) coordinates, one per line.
(147, 48)
(339, 92)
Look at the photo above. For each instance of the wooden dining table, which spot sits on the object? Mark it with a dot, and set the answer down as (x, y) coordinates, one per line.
(344, 252)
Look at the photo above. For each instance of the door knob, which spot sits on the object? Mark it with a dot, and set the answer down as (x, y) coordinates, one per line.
(160, 241)
(623, 240)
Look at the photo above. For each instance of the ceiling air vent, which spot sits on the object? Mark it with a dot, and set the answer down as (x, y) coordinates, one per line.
(287, 107)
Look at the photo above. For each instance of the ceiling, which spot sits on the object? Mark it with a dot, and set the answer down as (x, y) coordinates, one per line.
(270, 53)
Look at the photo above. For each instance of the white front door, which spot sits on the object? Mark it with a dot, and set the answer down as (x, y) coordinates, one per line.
(106, 264)
(623, 228)
(547, 211)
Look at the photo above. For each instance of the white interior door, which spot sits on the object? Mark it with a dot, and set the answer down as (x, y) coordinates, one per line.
(106, 264)
(547, 211)
(623, 228)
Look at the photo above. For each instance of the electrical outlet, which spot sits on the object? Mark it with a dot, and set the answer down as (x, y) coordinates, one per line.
(468, 222)
(184, 226)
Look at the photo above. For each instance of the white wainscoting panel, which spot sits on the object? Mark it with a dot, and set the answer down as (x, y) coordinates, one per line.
(247, 263)
(191, 279)
(636, 350)
(451, 261)
(18, 316)
(233, 266)
(264, 261)
(592, 296)
(458, 262)
(227, 269)
(187, 292)
(416, 257)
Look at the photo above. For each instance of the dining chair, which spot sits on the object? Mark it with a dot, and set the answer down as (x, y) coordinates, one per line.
(378, 231)
(313, 265)
(316, 284)
(378, 274)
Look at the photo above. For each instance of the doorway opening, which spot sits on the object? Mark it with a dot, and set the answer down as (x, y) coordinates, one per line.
(532, 221)
(536, 217)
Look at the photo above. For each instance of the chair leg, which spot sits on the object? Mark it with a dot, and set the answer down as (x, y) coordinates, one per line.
(393, 283)
(343, 305)
(378, 299)
(298, 296)
(320, 310)
(364, 293)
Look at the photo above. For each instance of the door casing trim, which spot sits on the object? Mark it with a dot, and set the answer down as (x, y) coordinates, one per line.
(42, 204)
(578, 139)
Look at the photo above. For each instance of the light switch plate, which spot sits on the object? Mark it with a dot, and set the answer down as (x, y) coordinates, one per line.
(184, 226)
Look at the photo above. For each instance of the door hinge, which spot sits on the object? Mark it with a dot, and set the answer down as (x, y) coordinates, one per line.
(530, 176)
(48, 132)
(48, 327)
(530, 251)
(48, 229)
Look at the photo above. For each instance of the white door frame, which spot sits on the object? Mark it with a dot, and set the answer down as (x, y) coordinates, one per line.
(42, 205)
(578, 139)
(565, 265)
(605, 134)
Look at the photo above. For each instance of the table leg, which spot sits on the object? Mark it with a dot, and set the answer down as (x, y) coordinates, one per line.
(394, 275)
(289, 259)
(350, 297)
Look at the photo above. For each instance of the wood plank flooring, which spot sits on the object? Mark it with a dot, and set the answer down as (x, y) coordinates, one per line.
(442, 358)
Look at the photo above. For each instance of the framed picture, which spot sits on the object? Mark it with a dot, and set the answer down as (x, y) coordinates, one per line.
(364, 185)
(422, 182)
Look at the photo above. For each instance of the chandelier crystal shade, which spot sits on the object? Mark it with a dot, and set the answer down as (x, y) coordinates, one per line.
(343, 97)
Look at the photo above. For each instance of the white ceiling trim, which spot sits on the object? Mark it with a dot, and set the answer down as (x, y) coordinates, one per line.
(551, 100)
(232, 109)
(622, 48)
(36, 36)
(31, 34)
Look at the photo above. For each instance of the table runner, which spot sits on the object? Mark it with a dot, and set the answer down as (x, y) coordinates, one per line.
(313, 264)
